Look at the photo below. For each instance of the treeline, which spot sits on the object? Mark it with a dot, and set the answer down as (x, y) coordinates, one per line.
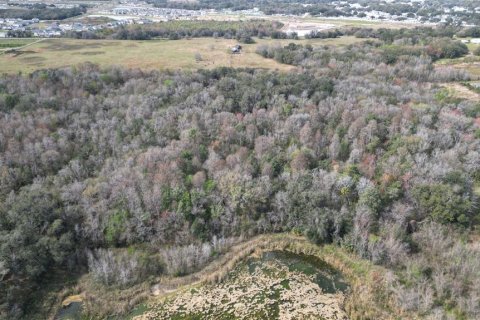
(243, 31)
(417, 35)
(304, 55)
(433, 43)
(413, 35)
(328, 34)
(133, 174)
(19, 34)
(45, 13)
(473, 32)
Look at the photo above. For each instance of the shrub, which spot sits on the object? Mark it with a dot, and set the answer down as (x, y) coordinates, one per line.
(442, 203)
(188, 259)
(446, 48)
(120, 267)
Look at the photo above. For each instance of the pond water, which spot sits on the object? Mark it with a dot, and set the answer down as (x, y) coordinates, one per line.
(271, 285)
(275, 283)
(72, 312)
(323, 274)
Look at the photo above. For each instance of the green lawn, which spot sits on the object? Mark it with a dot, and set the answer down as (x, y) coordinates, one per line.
(15, 42)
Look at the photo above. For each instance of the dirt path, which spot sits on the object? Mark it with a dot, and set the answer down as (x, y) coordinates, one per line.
(462, 91)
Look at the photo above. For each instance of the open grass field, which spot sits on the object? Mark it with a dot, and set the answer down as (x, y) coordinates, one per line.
(7, 43)
(341, 41)
(152, 54)
(336, 22)
(472, 46)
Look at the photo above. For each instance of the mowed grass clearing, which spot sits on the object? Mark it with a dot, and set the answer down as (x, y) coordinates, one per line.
(336, 22)
(193, 53)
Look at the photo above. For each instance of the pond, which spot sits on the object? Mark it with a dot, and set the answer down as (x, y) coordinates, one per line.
(324, 275)
(72, 312)
(273, 285)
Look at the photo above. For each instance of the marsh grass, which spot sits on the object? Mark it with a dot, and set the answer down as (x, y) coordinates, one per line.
(369, 296)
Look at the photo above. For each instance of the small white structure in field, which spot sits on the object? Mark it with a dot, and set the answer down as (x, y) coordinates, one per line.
(237, 49)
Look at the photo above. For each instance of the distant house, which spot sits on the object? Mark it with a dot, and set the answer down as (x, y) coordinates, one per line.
(144, 21)
(237, 49)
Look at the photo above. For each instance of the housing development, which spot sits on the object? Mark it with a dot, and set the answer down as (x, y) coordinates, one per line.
(141, 12)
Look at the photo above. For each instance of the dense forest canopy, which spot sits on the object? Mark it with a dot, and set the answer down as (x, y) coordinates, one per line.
(100, 168)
